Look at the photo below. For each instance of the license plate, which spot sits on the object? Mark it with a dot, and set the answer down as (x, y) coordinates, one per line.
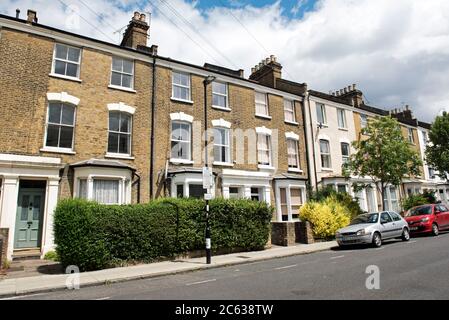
(413, 228)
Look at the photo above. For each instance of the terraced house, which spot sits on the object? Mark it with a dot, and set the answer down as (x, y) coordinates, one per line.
(120, 124)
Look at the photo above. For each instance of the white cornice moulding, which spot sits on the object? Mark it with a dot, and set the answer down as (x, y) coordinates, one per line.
(63, 97)
(292, 135)
(181, 116)
(221, 123)
(263, 130)
(324, 137)
(121, 107)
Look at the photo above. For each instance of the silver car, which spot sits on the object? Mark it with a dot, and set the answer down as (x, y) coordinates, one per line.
(373, 228)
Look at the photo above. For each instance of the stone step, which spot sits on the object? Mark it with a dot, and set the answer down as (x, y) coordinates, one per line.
(26, 254)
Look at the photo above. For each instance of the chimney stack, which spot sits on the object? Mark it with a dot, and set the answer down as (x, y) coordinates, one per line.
(31, 16)
(136, 34)
(267, 71)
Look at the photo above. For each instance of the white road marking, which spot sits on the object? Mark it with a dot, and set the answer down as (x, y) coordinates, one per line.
(380, 248)
(200, 282)
(413, 241)
(23, 296)
(286, 267)
(105, 298)
(337, 257)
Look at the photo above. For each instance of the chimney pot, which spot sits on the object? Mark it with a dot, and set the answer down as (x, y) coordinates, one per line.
(142, 17)
(349, 89)
(31, 16)
(253, 69)
(353, 86)
(136, 15)
(136, 33)
(242, 73)
(17, 13)
(260, 64)
(341, 91)
(345, 90)
(267, 60)
(272, 58)
(406, 107)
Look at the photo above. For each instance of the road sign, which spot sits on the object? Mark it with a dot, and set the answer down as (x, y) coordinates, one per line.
(207, 178)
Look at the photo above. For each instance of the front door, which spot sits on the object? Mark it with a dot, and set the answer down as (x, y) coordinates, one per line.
(30, 210)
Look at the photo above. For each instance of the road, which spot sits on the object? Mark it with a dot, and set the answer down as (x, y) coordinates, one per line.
(418, 269)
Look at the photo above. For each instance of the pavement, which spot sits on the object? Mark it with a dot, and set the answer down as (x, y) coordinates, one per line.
(50, 282)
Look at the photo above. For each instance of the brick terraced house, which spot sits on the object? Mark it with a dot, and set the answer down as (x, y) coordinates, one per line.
(120, 124)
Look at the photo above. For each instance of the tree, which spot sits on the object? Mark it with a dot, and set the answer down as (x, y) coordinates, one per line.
(384, 156)
(437, 152)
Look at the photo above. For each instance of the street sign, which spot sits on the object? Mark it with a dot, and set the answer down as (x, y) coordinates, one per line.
(207, 178)
(207, 196)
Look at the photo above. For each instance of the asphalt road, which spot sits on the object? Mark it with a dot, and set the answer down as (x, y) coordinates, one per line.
(418, 269)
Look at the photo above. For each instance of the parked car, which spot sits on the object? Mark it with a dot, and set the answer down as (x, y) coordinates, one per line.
(373, 228)
(429, 218)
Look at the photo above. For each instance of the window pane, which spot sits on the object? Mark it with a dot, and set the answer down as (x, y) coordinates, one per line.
(117, 64)
(60, 67)
(218, 87)
(296, 196)
(52, 136)
(179, 191)
(219, 101)
(114, 121)
(125, 121)
(124, 143)
(181, 78)
(72, 70)
(67, 114)
(175, 149)
(320, 113)
(181, 93)
(185, 131)
(74, 54)
(106, 191)
(116, 79)
(113, 142)
(196, 191)
(61, 51)
(219, 136)
(82, 191)
(324, 146)
(261, 98)
(54, 113)
(127, 81)
(65, 140)
(345, 149)
(128, 66)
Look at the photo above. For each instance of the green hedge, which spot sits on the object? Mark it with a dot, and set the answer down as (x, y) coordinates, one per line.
(94, 236)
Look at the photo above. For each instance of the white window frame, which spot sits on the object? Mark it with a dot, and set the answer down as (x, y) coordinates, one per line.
(345, 158)
(176, 159)
(325, 154)
(122, 73)
(342, 112)
(260, 103)
(226, 107)
(363, 120)
(268, 150)
(118, 154)
(227, 147)
(189, 86)
(288, 185)
(78, 63)
(411, 138)
(289, 109)
(321, 107)
(296, 155)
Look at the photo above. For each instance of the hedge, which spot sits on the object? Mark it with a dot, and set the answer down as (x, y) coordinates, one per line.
(93, 236)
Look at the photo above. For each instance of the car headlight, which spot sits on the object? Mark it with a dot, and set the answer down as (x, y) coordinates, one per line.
(361, 232)
(425, 219)
(337, 234)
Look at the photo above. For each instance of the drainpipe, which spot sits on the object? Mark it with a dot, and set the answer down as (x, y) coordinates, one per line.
(138, 186)
(304, 124)
(153, 104)
(313, 142)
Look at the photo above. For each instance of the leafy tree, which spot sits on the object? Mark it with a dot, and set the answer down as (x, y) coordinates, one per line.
(384, 156)
(437, 152)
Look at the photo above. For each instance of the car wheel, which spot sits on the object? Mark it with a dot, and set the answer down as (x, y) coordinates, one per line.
(435, 230)
(405, 235)
(377, 240)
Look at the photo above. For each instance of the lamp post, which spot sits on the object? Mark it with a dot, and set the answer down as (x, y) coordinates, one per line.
(206, 82)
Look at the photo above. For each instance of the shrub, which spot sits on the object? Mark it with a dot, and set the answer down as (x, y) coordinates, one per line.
(94, 236)
(326, 217)
(417, 200)
(343, 198)
(51, 255)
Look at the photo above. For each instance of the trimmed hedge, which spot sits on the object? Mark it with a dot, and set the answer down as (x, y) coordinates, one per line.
(94, 236)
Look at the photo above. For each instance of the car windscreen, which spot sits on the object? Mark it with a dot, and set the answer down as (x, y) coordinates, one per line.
(366, 218)
(420, 211)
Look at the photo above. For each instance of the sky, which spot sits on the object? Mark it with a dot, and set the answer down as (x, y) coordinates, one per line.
(397, 52)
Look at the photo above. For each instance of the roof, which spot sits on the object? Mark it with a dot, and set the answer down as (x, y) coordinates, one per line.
(289, 176)
(102, 163)
(330, 97)
(424, 124)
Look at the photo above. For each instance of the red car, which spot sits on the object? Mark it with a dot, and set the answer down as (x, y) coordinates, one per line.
(429, 218)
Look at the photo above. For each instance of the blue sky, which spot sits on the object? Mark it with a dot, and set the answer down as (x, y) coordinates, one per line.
(291, 8)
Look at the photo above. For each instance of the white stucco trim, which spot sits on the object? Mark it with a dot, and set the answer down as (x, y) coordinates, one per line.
(121, 107)
(181, 116)
(63, 97)
(345, 140)
(323, 136)
(221, 123)
(34, 159)
(263, 130)
(292, 135)
(186, 178)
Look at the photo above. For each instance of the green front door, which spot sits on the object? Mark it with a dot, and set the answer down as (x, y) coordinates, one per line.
(30, 210)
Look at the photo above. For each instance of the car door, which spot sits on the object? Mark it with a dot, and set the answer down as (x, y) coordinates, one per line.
(398, 224)
(442, 216)
(386, 225)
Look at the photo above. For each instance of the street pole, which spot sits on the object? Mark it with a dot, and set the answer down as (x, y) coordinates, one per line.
(207, 81)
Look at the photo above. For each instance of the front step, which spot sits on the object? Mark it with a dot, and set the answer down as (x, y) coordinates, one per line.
(26, 254)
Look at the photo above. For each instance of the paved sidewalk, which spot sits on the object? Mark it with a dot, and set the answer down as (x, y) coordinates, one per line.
(43, 283)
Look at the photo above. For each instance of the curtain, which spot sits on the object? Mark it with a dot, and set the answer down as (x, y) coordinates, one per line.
(106, 191)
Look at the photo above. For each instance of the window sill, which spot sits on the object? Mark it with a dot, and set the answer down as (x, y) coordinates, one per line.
(60, 76)
(323, 125)
(221, 108)
(223, 164)
(181, 161)
(343, 129)
(111, 86)
(291, 122)
(258, 115)
(181, 100)
(265, 167)
(57, 150)
(295, 170)
(119, 156)
(327, 169)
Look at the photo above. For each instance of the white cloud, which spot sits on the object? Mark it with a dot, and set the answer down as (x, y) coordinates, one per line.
(396, 51)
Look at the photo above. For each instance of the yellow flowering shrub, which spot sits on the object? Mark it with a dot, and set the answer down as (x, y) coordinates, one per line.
(326, 217)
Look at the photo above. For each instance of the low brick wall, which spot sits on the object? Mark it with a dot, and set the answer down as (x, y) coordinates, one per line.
(283, 233)
(304, 233)
(4, 232)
